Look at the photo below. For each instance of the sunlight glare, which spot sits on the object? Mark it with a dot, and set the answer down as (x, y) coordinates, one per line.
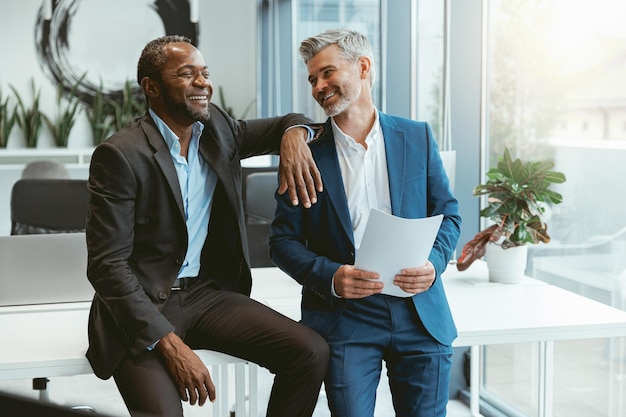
(579, 27)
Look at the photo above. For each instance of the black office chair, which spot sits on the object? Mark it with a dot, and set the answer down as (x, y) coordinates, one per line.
(259, 186)
(42, 205)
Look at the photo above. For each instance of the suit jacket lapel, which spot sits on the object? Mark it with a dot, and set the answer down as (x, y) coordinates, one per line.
(395, 144)
(326, 157)
(163, 158)
(210, 150)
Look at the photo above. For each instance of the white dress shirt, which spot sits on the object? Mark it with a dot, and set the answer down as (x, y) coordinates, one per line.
(364, 174)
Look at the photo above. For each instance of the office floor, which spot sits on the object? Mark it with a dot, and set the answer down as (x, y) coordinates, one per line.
(582, 388)
(104, 398)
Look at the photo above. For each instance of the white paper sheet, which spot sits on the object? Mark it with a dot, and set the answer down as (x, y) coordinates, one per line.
(392, 243)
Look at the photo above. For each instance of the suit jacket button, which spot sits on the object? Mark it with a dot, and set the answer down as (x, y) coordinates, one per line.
(162, 296)
(179, 261)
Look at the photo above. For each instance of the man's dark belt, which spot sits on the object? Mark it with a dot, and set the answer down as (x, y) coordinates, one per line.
(184, 283)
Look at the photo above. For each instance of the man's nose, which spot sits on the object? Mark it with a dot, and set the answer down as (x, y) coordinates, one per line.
(202, 82)
(320, 85)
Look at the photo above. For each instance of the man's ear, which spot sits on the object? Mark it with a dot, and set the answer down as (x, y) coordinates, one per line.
(150, 87)
(365, 65)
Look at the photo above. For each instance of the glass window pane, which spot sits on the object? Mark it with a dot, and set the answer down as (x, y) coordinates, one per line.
(430, 64)
(556, 90)
(511, 377)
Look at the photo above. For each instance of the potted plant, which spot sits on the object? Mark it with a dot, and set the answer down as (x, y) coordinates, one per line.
(101, 116)
(517, 193)
(7, 120)
(29, 118)
(61, 126)
(129, 106)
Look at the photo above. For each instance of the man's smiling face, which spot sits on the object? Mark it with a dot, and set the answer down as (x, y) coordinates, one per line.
(335, 81)
(185, 82)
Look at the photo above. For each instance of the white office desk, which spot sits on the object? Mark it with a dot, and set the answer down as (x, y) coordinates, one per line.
(44, 341)
(49, 340)
(488, 313)
(532, 311)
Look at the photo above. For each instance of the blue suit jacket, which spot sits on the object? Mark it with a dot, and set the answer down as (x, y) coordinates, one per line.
(311, 244)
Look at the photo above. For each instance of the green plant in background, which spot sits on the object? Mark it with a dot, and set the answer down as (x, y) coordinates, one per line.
(517, 194)
(29, 119)
(7, 120)
(101, 116)
(61, 127)
(129, 108)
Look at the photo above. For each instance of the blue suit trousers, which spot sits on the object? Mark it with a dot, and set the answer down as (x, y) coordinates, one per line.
(379, 329)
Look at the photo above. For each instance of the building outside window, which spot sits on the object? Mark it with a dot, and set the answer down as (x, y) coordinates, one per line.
(556, 90)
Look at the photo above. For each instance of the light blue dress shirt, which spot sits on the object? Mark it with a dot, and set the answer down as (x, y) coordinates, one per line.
(197, 184)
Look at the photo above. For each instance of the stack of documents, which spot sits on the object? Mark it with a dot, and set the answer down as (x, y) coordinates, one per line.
(392, 243)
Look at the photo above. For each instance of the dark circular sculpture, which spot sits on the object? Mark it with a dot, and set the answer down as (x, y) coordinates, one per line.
(67, 41)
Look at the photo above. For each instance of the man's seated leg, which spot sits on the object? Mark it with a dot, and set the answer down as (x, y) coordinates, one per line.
(235, 324)
(146, 386)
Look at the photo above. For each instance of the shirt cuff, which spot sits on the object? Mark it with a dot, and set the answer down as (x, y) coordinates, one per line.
(310, 132)
(332, 288)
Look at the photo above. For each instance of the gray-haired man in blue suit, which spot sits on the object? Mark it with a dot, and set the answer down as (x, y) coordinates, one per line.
(367, 160)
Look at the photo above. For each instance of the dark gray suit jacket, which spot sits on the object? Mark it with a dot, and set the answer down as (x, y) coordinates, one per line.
(136, 232)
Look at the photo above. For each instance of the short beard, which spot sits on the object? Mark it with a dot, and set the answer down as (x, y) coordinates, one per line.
(199, 116)
(345, 99)
(337, 108)
(185, 110)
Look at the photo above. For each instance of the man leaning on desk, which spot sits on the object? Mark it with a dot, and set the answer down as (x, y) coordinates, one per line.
(369, 160)
(167, 249)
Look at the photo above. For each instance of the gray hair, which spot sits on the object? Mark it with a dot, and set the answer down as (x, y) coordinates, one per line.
(353, 45)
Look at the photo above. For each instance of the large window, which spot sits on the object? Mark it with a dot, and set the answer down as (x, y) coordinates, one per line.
(556, 90)
(408, 43)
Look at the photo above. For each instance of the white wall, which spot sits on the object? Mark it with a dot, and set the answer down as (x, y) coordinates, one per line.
(106, 38)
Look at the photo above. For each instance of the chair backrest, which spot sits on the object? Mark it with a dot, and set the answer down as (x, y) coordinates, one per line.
(45, 168)
(259, 186)
(40, 205)
(259, 189)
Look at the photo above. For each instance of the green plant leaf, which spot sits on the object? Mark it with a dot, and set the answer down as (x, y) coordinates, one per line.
(61, 126)
(517, 193)
(8, 115)
(29, 118)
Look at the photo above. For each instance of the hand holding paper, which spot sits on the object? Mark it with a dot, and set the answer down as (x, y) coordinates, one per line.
(392, 243)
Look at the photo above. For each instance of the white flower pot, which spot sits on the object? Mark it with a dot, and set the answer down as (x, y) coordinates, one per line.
(507, 266)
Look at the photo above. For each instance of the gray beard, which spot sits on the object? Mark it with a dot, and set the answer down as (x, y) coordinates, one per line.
(336, 108)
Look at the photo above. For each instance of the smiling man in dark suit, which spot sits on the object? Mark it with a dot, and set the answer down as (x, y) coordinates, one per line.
(167, 249)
